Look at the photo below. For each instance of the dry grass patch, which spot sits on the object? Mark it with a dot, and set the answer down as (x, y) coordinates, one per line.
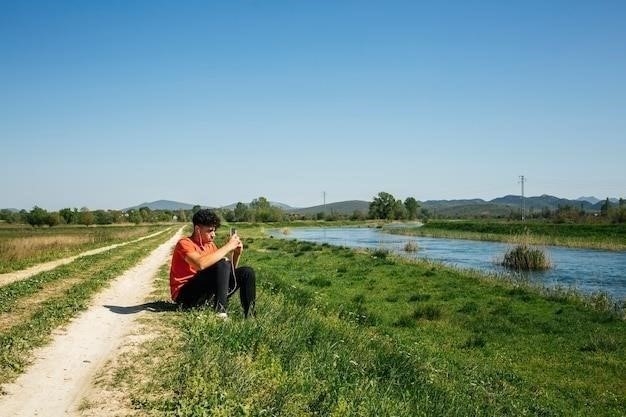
(25, 247)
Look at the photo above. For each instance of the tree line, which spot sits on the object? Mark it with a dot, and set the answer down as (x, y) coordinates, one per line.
(73, 216)
(383, 206)
(609, 213)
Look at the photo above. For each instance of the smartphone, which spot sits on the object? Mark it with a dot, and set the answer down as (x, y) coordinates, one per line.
(233, 231)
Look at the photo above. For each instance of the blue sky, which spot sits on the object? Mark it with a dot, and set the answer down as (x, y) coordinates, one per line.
(114, 103)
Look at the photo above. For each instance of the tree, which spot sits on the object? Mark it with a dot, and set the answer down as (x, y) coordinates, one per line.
(262, 211)
(357, 215)
(86, 217)
(37, 216)
(53, 219)
(399, 211)
(604, 209)
(102, 217)
(9, 216)
(228, 215)
(260, 203)
(134, 216)
(382, 207)
(412, 206)
(117, 216)
(69, 216)
(241, 212)
(146, 214)
(618, 214)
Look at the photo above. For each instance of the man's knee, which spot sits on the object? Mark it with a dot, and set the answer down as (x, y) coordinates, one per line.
(246, 274)
(222, 268)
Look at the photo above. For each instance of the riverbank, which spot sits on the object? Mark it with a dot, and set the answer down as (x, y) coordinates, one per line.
(343, 332)
(601, 236)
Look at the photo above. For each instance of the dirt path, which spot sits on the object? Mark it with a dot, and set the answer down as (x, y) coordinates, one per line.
(62, 371)
(10, 277)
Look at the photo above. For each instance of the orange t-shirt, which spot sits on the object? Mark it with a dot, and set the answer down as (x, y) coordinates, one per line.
(180, 270)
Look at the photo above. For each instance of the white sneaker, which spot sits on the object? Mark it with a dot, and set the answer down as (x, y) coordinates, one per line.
(223, 316)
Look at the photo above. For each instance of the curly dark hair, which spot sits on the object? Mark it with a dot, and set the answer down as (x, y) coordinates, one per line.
(206, 217)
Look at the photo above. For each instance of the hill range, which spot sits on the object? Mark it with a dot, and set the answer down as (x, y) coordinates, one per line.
(500, 206)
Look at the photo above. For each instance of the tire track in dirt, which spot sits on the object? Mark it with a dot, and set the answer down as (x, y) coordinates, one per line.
(63, 370)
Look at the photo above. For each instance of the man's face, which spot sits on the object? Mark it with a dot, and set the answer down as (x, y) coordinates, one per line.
(207, 232)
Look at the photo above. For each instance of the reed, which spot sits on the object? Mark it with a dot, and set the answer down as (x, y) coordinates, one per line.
(380, 253)
(410, 246)
(525, 258)
(601, 236)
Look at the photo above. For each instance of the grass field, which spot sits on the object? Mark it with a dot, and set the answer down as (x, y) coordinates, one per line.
(343, 333)
(21, 247)
(595, 236)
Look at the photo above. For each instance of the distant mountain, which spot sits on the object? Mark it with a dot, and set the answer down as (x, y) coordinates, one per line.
(541, 202)
(453, 203)
(341, 207)
(592, 200)
(272, 203)
(498, 207)
(163, 205)
(465, 208)
(503, 206)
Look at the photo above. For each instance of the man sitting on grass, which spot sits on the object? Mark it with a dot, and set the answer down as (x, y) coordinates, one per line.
(202, 272)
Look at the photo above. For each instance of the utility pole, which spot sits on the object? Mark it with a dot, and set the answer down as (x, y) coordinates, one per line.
(522, 180)
(324, 194)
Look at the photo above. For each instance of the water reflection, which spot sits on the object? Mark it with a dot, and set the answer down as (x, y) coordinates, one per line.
(585, 269)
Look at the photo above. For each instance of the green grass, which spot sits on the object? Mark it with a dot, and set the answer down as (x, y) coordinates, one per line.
(88, 274)
(597, 236)
(341, 332)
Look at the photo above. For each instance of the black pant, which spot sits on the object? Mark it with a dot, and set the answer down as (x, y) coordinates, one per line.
(216, 283)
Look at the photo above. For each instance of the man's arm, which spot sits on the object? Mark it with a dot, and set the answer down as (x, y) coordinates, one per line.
(200, 262)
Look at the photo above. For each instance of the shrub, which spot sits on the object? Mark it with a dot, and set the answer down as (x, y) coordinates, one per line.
(525, 258)
(410, 246)
(380, 253)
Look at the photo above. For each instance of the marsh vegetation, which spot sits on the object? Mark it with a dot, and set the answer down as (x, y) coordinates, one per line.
(594, 236)
(525, 258)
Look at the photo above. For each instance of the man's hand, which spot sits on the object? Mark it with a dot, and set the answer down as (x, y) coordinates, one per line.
(234, 243)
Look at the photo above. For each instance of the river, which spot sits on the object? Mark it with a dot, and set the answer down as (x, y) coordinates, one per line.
(586, 270)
